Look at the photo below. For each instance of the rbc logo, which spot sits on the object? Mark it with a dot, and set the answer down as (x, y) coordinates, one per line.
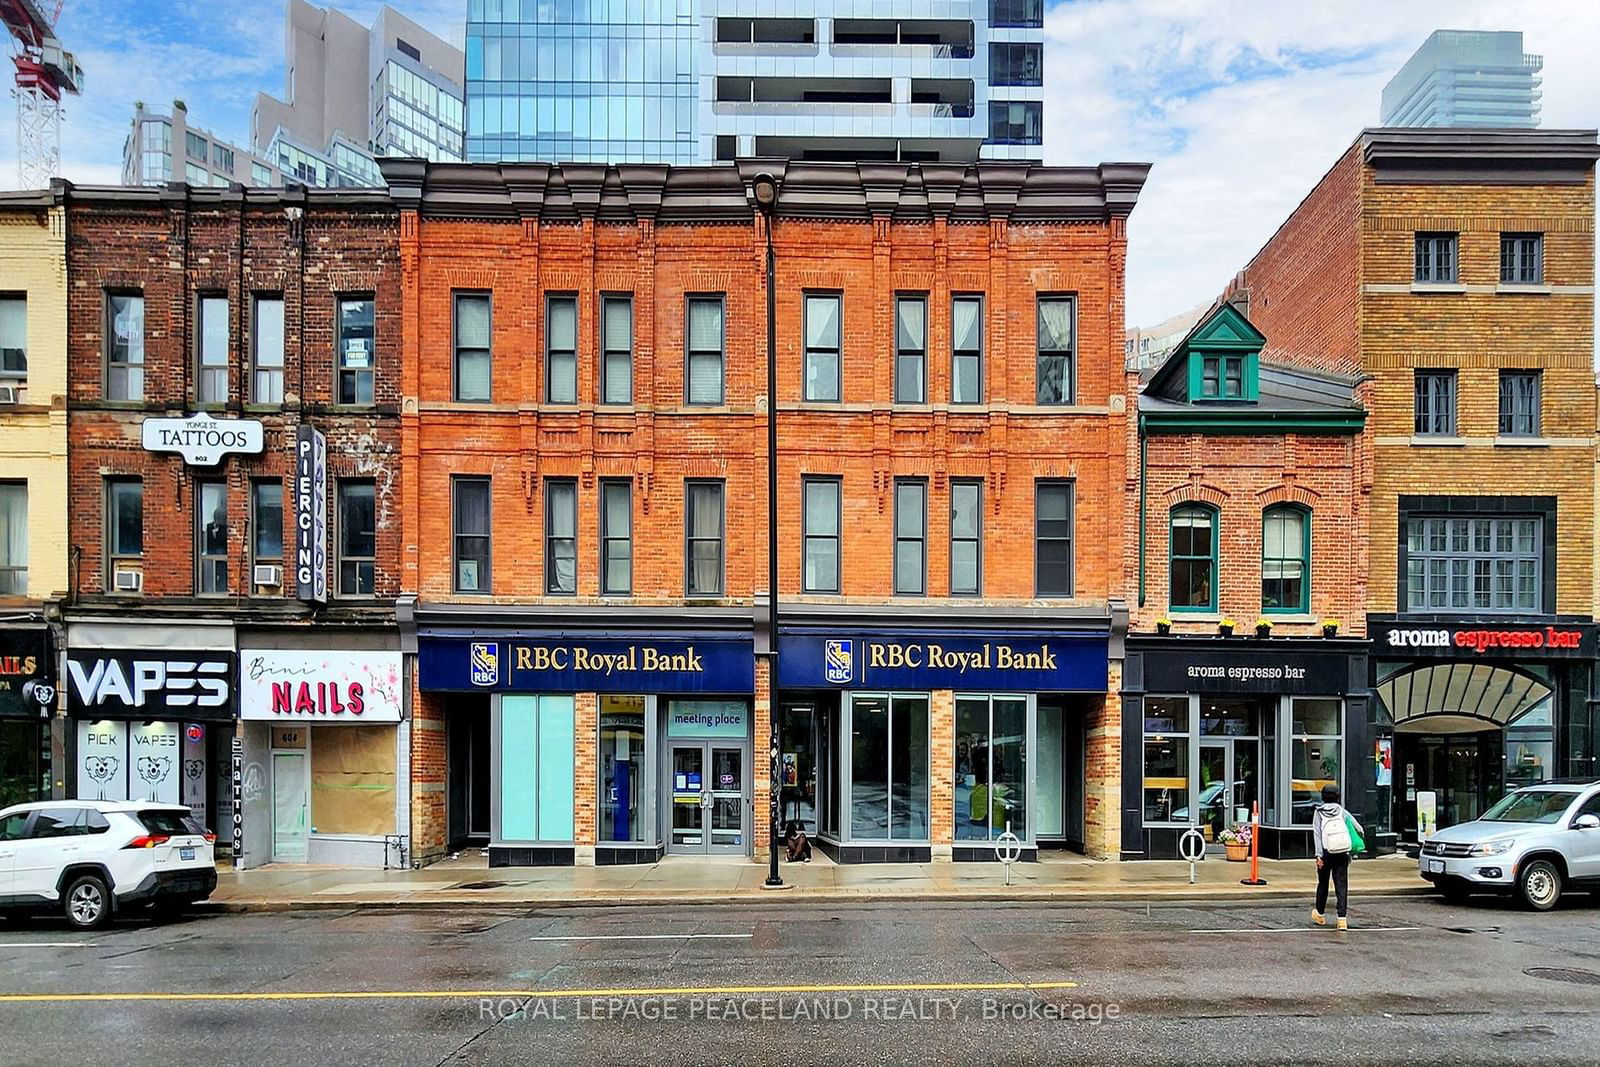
(839, 661)
(485, 662)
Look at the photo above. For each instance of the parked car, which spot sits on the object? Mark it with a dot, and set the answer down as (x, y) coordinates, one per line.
(91, 858)
(1536, 843)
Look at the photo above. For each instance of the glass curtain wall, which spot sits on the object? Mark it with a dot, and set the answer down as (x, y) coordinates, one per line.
(582, 82)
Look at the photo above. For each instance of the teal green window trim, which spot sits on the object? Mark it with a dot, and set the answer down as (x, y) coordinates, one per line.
(1286, 560)
(1192, 558)
(1220, 375)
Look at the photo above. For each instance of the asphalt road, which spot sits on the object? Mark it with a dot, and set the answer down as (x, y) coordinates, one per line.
(1415, 981)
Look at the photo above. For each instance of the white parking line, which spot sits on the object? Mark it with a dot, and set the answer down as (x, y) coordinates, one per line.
(1306, 929)
(640, 937)
(46, 944)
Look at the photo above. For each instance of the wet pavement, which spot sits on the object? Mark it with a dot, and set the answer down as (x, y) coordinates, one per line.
(796, 981)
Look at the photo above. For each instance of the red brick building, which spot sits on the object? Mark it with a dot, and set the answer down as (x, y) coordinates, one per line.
(1247, 578)
(584, 464)
(209, 331)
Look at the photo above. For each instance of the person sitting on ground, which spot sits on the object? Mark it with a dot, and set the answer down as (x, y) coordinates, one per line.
(799, 845)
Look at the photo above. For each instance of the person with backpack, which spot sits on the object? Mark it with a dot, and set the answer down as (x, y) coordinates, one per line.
(1336, 833)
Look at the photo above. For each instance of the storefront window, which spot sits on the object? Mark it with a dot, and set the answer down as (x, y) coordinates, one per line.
(353, 779)
(889, 767)
(991, 787)
(624, 768)
(1316, 754)
(536, 768)
(1530, 746)
(24, 762)
(1166, 759)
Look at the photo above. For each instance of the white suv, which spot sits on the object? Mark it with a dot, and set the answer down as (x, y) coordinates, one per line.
(89, 858)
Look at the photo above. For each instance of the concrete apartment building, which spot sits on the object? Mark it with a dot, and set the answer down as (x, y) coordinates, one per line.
(162, 148)
(1466, 78)
(724, 79)
(583, 478)
(1454, 270)
(353, 92)
(33, 485)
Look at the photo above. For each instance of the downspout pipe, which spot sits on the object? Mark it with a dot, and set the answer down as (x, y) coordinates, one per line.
(1144, 481)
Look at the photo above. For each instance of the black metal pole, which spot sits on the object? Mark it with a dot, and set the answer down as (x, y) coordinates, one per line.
(774, 879)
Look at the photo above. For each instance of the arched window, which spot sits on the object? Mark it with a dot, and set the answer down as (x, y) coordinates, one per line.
(1193, 556)
(1286, 559)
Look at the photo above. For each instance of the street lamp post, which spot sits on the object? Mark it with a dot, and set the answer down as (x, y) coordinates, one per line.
(765, 188)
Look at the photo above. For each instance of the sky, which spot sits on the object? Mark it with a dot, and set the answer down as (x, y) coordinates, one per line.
(1241, 106)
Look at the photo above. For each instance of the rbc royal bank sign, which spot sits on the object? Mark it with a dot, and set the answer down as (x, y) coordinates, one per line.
(1044, 662)
(602, 664)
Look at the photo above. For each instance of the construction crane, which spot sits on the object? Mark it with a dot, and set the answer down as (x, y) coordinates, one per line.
(45, 71)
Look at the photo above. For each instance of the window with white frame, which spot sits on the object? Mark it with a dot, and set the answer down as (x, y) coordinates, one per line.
(266, 386)
(13, 538)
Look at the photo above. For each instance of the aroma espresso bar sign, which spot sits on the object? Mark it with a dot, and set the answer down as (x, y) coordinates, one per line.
(1557, 640)
(201, 440)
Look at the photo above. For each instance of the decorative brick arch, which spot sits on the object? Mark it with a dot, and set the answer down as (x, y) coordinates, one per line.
(1195, 493)
(1288, 493)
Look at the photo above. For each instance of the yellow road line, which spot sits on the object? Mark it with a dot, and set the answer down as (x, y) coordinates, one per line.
(570, 994)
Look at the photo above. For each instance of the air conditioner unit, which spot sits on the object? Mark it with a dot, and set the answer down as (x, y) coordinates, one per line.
(129, 581)
(10, 394)
(268, 574)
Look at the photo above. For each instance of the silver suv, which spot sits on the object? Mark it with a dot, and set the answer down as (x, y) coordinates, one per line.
(1535, 843)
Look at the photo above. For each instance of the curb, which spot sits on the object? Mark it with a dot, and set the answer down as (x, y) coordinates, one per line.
(758, 898)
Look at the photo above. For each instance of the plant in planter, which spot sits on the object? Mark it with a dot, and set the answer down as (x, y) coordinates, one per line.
(1236, 842)
(1163, 625)
(1330, 627)
(1225, 627)
(1263, 627)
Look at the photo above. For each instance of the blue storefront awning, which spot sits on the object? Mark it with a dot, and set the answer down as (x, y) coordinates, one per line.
(1033, 660)
(463, 659)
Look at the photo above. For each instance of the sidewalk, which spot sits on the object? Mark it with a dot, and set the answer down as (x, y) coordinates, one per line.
(467, 880)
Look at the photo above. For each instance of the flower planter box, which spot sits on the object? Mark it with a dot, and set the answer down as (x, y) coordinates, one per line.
(1237, 853)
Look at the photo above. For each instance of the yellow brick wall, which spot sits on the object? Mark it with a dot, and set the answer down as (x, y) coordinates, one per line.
(1479, 332)
(33, 434)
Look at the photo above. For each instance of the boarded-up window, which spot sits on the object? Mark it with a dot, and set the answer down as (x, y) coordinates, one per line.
(352, 779)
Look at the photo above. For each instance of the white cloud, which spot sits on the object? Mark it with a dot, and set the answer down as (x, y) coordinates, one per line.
(1243, 106)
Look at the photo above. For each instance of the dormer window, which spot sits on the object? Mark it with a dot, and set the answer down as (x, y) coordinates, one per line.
(1222, 377)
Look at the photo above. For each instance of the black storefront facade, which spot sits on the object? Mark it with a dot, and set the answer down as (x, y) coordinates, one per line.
(1213, 726)
(27, 704)
(1466, 709)
(152, 710)
(594, 735)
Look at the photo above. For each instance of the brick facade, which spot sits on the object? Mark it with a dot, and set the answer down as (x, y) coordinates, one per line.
(657, 442)
(171, 248)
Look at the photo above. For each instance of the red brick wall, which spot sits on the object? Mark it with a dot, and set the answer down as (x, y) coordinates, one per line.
(659, 441)
(1305, 283)
(140, 244)
(1242, 477)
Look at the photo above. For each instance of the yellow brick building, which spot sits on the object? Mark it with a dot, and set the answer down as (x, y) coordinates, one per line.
(1455, 270)
(33, 481)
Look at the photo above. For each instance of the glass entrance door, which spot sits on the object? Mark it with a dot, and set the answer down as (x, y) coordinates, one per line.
(1215, 774)
(689, 799)
(289, 815)
(710, 798)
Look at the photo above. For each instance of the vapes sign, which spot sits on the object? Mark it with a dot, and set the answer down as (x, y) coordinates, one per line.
(150, 684)
(201, 440)
(311, 514)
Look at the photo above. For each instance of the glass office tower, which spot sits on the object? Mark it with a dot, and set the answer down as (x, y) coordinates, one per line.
(582, 80)
(683, 81)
